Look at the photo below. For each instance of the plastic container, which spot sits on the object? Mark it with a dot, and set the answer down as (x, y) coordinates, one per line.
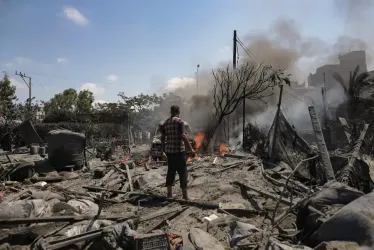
(34, 150)
(152, 241)
(42, 151)
(66, 148)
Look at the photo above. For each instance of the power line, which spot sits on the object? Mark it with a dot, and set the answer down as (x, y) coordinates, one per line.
(246, 51)
(250, 54)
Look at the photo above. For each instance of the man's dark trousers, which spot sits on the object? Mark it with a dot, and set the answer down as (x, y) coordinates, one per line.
(177, 164)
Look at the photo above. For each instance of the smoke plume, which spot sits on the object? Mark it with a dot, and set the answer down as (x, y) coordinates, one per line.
(283, 46)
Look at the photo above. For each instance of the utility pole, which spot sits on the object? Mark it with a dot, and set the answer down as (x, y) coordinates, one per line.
(276, 125)
(197, 79)
(228, 87)
(28, 84)
(234, 50)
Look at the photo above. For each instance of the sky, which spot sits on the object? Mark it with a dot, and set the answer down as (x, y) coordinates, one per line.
(136, 46)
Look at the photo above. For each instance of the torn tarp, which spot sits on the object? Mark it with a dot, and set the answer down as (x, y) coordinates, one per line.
(290, 147)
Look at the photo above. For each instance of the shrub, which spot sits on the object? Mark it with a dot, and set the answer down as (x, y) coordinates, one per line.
(94, 132)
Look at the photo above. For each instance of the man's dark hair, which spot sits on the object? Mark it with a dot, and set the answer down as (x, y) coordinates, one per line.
(174, 110)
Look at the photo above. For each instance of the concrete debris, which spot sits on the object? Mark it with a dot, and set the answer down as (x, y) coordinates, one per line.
(118, 200)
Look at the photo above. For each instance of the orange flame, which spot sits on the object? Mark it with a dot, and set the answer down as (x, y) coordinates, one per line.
(223, 148)
(125, 159)
(191, 158)
(199, 137)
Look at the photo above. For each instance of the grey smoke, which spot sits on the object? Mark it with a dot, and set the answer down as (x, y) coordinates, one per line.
(282, 45)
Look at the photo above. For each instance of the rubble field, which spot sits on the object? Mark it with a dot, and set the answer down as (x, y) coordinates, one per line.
(237, 201)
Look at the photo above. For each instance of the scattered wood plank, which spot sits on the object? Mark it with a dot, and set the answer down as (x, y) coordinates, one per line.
(119, 169)
(229, 164)
(19, 221)
(344, 174)
(345, 126)
(264, 193)
(58, 244)
(324, 154)
(106, 177)
(47, 179)
(162, 223)
(294, 182)
(160, 214)
(234, 156)
(7, 156)
(129, 177)
(92, 188)
(236, 164)
(357, 147)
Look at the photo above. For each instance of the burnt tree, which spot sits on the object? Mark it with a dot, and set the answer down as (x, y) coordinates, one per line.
(249, 81)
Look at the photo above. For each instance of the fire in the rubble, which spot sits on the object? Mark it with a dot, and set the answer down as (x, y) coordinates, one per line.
(126, 158)
(199, 137)
(189, 158)
(223, 148)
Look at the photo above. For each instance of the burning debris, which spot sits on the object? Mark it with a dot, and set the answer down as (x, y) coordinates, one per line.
(243, 201)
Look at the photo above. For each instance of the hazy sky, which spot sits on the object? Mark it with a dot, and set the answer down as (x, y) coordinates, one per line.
(136, 45)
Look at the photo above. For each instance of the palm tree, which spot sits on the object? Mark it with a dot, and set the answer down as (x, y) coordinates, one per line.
(357, 84)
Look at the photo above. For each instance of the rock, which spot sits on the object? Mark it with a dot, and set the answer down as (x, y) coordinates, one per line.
(149, 180)
(204, 241)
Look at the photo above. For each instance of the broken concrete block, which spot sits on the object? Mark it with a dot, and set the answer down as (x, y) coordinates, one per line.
(203, 240)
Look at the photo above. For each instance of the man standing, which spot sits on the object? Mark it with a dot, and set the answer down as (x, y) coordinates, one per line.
(174, 141)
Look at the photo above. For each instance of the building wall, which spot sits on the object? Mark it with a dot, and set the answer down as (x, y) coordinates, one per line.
(347, 63)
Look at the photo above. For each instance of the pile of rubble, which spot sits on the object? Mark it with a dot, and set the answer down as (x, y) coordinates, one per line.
(306, 199)
(237, 201)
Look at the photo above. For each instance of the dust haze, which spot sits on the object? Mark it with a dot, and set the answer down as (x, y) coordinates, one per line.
(282, 45)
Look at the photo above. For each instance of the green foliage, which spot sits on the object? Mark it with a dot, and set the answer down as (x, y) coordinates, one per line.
(141, 101)
(23, 111)
(64, 101)
(84, 101)
(66, 105)
(148, 108)
(7, 100)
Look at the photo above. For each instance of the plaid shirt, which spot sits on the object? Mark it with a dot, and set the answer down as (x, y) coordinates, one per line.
(173, 129)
